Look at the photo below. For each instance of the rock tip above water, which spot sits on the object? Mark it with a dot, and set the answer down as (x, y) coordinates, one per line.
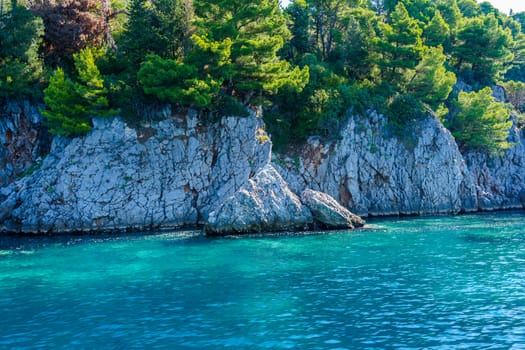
(263, 203)
(328, 213)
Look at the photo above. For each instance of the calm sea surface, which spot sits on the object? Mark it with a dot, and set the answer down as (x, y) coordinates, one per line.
(436, 283)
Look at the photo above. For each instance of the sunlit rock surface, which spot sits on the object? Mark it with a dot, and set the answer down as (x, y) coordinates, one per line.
(263, 203)
(327, 213)
(166, 174)
(372, 172)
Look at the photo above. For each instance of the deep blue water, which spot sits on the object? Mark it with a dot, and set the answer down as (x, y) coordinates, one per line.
(438, 283)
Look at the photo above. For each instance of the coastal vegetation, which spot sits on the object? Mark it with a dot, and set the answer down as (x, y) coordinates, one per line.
(308, 65)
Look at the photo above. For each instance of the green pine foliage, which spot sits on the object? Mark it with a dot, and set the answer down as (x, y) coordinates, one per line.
(71, 104)
(140, 36)
(299, 44)
(257, 31)
(160, 27)
(481, 52)
(21, 68)
(431, 83)
(176, 82)
(515, 93)
(437, 31)
(401, 46)
(481, 124)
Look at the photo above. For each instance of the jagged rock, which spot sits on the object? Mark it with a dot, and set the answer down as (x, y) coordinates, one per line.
(175, 172)
(23, 140)
(327, 213)
(500, 179)
(372, 172)
(165, 174)
(499, 93)
(264, 203)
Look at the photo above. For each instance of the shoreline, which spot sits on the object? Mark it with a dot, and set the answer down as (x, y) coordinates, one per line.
(199, 228)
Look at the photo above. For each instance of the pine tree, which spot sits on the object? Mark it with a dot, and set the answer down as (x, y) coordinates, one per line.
(141, 35)
(515, 93)
(421, 10)
(176, 82)
(257, 31)
(481, 123)
(431, 83)
(70, 105)
(469, 8)
(482, 49)
(327, 20)
(357, 49)
(174, 18)
(160, 27)
(401, 45)
(451, 14)
(21, 68)
(300, 42)
(64, 113)
(437, 31)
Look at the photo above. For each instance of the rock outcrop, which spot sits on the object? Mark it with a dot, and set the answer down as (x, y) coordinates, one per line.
(23, 140)
(178, 172)
(263, 203)
(327, 213)
(168, 174)
(372, 172)
(500, 180)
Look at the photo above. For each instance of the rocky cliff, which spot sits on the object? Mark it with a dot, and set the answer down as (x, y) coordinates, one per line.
(23, 140)
(373, 172)
(167, 174)
(500, 181)
(178, 172)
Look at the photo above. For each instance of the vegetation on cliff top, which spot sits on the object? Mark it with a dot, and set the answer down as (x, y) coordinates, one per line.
(308, 64)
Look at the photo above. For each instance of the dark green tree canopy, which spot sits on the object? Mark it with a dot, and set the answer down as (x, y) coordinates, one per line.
(482, 48)
(401, 46)
(21, 68)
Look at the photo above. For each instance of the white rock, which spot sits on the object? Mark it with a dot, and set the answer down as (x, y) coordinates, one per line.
(264, 203)
(112, 180)
(327, 213)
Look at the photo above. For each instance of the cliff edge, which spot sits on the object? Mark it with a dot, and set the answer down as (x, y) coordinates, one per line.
(177, 172)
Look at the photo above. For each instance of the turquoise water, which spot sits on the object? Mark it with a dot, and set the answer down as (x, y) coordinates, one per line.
(439, 283)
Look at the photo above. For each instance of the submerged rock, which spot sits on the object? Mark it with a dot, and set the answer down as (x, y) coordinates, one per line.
(263, 203)
(327, 213)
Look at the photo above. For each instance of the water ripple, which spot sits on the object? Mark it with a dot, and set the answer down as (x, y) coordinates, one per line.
(433, 283)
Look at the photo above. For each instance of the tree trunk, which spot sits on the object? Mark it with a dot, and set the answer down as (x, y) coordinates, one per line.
(108, 36)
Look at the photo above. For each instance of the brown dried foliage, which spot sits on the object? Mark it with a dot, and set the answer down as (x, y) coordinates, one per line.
(70, 25)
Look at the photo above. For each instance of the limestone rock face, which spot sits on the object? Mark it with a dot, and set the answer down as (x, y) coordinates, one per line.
(327, 213)
(181, 172)
(23, 140)
(500, 180)
(263, 203)
(167, 174)
(372, 172)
